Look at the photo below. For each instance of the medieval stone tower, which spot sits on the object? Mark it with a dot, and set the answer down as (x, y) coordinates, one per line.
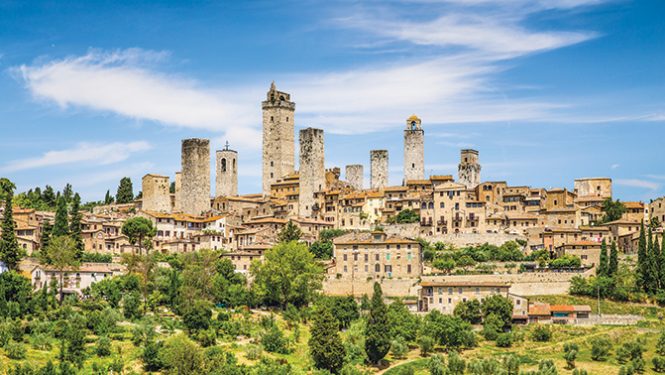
(156, 196)
(226, 172)
(312, 170)
(278, 133)
(354, 175)
(414, 154)
(195, 192)
(378, 168)
(177, 201)
(468, 171)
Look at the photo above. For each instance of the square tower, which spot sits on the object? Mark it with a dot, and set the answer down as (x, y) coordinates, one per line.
(195, 178)
(414, 150)
(156, 196)
(469, 168)
(378, 169)
(312, 170)
(226, 172)
(278, 137)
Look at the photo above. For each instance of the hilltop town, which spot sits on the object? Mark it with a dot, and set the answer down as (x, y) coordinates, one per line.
(434, 243)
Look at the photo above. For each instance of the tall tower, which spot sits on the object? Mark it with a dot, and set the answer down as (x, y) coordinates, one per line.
(278, 133)
(156, 196)
(354, 175)
(195, 194)
(378, 168)
(468, 171)
(226, 172)
(414, 154)
(312, 170)
(177, 201)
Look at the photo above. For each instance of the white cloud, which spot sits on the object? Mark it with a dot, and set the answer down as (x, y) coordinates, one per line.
(615, 166)
(638, 183)
(96, 153)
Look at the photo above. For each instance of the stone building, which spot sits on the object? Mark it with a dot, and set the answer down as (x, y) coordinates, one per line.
(278, 137)
(177, 201)
(226, 172)
(593, 190)
(156, 196)
(656, 210)
(312, 170)
(468, 170)
(378, 168)
(195, 194)
(445, 295)
(414, 150)
(354, 176)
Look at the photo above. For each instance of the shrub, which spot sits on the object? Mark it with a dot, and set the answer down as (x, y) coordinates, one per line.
(437, 365)
(253, 352)
(103, 348)
(504, 340)
(426, 344)
(40, 341)
(541, 333)
(658, 364)
(398, 347)
(15, 350)
(456, 365)
(273, 341)
(600, 348)
(197, 316)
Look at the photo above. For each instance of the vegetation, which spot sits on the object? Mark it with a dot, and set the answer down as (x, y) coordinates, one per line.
(125, 193)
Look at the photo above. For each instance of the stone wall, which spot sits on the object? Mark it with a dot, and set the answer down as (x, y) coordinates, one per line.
(177, 202)
(593, 187)
(312, 169)
(278, 137)
(354, 175)
(469, 169)
(226, 173)
(458, 239)
(378, 168)
(156, 196)
(195, 176)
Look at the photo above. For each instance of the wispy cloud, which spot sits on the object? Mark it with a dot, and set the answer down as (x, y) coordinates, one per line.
(638, 183)
(93, 153)
(615, 166)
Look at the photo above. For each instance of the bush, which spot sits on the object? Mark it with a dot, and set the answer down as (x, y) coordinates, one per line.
(426, 344)
(437, 365)
(600, 348)
(253, 352)
(197, 316)
(273, 341)
(15, 350)
(131, 304)
(41, 341)
(541, 333)
(398, 347)
(103, 348)
(658, 364)
(504, 340)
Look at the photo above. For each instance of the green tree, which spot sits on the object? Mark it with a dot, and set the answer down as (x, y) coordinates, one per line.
(61, 226)
(402, 322)
(600, 348)
(570, 354)
(456, 364)
(197, 316)
(449, 331)
(62, 253)
(47, 229)
(108, 198)
(322, 249)
(613, 265)
(125, 193)
(437, 365)
(613, 210)
(325, 344)
(377, 332)
(642, 265)
(181, 356)
(407, 216)
(75, 226)
(660, 346)
(469, 311)
(10, 252)
(290, 232)
(603, 266)
(288, 274)
(138, 230)
(501, 306)
(48, 196)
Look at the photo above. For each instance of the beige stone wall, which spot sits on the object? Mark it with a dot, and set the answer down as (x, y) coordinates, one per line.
(354, 176)
(195, 176)
(156, 196)
(226, 173)
(378, 168)
(593, 187)
(414, 150)
(278, 137)
(177, 203)
(459, 240)
(657, 209)
(468, 170)
(312, 170)
(374, 261)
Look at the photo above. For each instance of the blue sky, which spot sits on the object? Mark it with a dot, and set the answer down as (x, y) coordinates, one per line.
(546, 90)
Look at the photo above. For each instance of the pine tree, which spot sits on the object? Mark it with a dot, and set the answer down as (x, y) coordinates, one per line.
(75, 226)
(289, 233)
(613, 266)
(45, 239)
(603, 266)
(61, 226)
(10, 252)
(48, 196)
(377, 333)
(108, 199)
(67, 193)
(125, 192)
(325, 345)
(641, 259)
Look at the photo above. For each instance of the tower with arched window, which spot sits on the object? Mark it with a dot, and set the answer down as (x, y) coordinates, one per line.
(414, 150)
(278, 137)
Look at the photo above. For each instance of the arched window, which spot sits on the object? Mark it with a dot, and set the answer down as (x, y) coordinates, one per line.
(223, 164)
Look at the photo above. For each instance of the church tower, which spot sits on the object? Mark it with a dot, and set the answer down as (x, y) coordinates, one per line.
(278, 137)
(414, 150)
(226, 172)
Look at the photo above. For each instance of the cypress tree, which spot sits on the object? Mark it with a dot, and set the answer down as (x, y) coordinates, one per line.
(75, 226)
(650, 279)
(10, 252)
(641, 259)
(108, 199)
(377, 332)
(662, 262)
(61, 226)
(603, 266)
(655, 259)
(45, 239)
(125, 193)
(613, 266)
(325, 345)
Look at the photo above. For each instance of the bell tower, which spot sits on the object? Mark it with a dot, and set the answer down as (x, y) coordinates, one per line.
(414, 152)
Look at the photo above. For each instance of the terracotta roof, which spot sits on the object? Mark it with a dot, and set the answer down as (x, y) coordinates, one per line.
(581, 243)
(418, 182)
(562, 308)
(445, 177)
(539, 309)
(395, 188)
(633, 204)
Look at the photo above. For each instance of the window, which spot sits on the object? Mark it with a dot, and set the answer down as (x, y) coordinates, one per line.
(344, 257)
(408, 268)
(387, 256)
(450, 290)
(345, 269)
(377, 268)
(223, 164)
